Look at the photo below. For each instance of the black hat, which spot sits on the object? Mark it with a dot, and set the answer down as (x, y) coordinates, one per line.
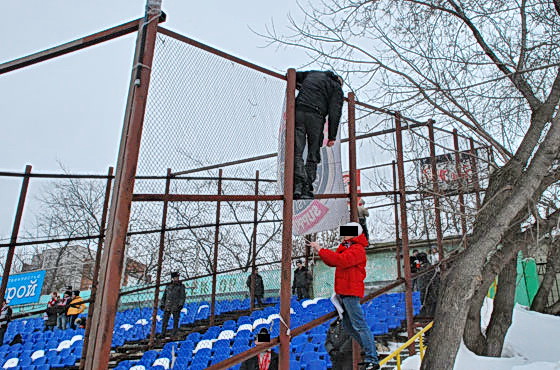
(174, 274)
(76, 293)
(299, 262)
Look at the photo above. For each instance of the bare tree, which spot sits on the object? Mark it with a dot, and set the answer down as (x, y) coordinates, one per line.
(490, 67)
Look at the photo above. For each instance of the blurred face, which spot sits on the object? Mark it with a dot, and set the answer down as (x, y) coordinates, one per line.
(175, 279)
(345, 238)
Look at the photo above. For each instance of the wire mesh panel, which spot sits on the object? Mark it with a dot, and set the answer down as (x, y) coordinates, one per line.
(205, 110)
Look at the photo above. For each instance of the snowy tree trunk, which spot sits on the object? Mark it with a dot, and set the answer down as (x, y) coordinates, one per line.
(503, 310)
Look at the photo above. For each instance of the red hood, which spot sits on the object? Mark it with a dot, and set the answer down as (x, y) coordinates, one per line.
(360, 239)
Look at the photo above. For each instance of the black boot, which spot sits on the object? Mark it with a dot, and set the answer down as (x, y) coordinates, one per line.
(307, 192)
(298, 191)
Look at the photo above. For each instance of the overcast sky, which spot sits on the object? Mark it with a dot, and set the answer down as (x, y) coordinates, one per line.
(70, 110)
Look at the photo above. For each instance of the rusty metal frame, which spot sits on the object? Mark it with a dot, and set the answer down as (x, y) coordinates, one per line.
(460, 187)
(78, 44)
(398, 241)
(437, 208)
(15, 232)
(254, 244)
(105, 305)
(161, 252)
(216, 247)
(288, 208)
(404, 233)
(95, 278)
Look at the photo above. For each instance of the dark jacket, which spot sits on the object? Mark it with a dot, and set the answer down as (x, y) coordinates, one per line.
(339, 346)
(63, 305)
(259, 286)
(253, 363)
(5, 316)
(173, 298)
(418, 262)
(321, 92)
(302, 278)
(350, 262)
(51, 313)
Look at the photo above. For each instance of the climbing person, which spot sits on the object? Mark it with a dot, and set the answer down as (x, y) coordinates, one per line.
(363, 213)
(76, 307)
(320, 95)
(172, 303)
(350, 259)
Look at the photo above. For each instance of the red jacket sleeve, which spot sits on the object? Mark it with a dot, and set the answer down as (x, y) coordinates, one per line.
(353, 256)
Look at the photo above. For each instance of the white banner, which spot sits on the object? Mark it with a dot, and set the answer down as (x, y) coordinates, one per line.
(314, 215)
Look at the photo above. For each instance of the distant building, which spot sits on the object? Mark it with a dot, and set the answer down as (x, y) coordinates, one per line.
(73, 265)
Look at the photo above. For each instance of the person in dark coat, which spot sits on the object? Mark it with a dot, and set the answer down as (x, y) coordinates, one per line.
(172, 302)
(302, 281)
(267, 360)
(339, 346)
(51, 312)
(259, 286)
(5, 318)
(61, 309)
(320, 95)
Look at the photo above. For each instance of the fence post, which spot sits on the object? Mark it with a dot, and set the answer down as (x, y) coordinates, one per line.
(105, 305)
(397, 228)
(161, 252)
(216, 246)
(95, 276)
(353, 191)
(435, 189)
(15, 231)
(460, 187)
(404, 232)
(287, 216)
(254, 253)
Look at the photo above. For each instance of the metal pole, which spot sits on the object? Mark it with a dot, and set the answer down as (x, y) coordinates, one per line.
(216, 246)
(435, 187)
(460, 187)
(15, 232)
(287, 216)
(404, 232)
(353, 192)
(94, 281)
(397, 228)
(474, 165)
(161, 252)
(254, 259)
(105, 306)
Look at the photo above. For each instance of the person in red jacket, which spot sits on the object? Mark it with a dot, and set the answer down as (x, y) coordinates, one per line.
(350, 262)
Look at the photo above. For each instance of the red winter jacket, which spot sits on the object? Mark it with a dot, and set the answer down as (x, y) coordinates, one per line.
(350, 263)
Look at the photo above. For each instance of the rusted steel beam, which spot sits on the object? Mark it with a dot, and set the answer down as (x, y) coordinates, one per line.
(69, 47)
(404, 232)
(15, 232)
(216, 247)
(435, 187)
(254, 252)
(113, 254)
(459, 170)
(288, 208)
(397, 227)
(161, 252)
(95, 276)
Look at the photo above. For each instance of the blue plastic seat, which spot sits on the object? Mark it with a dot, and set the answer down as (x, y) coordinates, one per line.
(316, 365)
(307, 357)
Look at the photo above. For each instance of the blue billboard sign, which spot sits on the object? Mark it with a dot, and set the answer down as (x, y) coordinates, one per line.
(24, 288)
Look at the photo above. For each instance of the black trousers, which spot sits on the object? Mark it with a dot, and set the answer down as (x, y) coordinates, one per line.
(302, 293)
(166, 316)
(308, 130)
(2, 333)
(362, 222)
(72, 321)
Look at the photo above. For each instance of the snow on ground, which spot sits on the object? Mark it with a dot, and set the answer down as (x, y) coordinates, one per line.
(531, 343)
